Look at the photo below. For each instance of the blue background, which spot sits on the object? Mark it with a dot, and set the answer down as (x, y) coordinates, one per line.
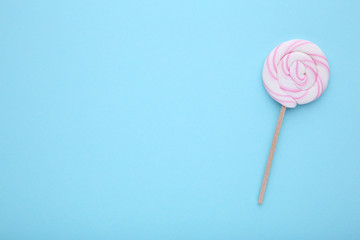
(149, 120)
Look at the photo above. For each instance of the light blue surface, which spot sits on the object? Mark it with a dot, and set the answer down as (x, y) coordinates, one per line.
(149, 120)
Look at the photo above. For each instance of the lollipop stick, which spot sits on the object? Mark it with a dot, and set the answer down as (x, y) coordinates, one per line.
(271, 155)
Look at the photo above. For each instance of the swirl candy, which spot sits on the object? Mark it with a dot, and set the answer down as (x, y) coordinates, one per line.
(295, 72)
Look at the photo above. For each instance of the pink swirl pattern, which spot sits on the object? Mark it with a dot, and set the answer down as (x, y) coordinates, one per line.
(296, 72)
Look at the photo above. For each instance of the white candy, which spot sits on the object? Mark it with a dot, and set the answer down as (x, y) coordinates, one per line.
(296, 72)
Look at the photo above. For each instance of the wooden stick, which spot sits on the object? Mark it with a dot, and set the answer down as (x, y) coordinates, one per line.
(271, 154)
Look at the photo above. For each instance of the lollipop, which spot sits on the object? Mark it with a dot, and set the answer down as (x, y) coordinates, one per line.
(295, 72)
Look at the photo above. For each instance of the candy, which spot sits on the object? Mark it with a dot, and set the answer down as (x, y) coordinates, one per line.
(296, 72)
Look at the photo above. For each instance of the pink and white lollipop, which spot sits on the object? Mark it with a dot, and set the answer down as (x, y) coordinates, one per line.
(295, 72)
